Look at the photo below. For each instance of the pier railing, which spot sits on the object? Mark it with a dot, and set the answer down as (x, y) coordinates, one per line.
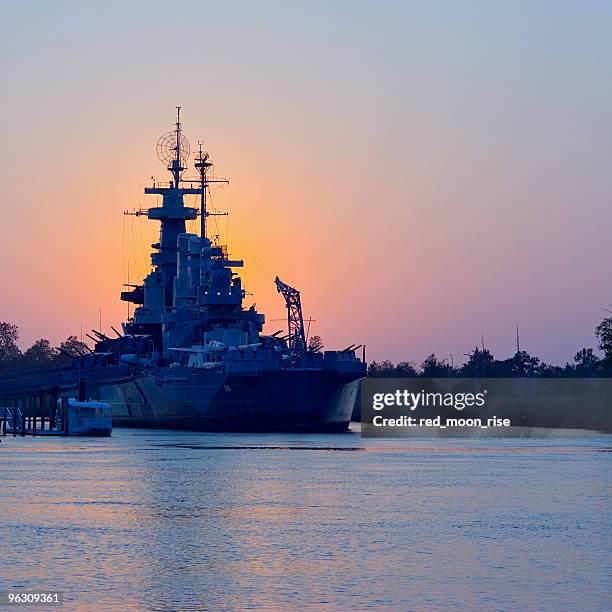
(12, 419)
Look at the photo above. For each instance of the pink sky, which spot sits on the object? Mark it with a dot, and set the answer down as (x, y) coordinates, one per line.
(421, 184)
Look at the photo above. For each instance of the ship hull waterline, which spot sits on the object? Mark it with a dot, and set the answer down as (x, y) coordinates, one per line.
(286, 401)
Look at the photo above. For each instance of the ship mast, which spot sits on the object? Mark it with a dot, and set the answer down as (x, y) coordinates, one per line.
(176, 167)
(203, 165)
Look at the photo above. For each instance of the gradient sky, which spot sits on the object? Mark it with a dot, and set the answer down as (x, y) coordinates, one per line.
(423, 172)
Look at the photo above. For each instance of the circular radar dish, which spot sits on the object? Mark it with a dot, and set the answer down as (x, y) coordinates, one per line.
(166, 149)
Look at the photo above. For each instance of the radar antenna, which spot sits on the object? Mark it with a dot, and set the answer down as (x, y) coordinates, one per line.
(173, 150)
(295, 320)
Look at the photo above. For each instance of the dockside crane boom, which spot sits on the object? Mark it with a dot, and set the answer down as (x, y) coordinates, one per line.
(295, 320)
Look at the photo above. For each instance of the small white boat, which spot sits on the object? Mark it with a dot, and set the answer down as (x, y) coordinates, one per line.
(87, 418)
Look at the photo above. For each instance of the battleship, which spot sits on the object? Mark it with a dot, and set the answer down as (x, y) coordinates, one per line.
(191, 356)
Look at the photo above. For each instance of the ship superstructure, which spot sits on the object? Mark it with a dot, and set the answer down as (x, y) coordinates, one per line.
(192, 296)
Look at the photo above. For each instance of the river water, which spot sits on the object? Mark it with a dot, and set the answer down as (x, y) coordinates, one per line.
(159, 520)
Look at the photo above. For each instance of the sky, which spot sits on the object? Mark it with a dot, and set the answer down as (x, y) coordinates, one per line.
(426, 173)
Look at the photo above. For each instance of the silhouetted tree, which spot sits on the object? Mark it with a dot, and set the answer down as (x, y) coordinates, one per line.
(315, 344)
(9, 351)
(479, 364)
(586, 362)
(406, 369)
(524, 365)
(39, 354)
(73, 346)
(385, 369)
(433, 367)
(604, 335)
(546, 370)
(603, 332)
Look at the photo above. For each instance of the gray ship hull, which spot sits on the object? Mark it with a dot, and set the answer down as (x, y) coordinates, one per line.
(197, 400)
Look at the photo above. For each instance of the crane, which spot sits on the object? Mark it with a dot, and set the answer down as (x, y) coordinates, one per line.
(295, 320)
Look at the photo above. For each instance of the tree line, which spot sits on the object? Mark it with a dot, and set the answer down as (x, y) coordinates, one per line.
(40, 354)
(481, 363)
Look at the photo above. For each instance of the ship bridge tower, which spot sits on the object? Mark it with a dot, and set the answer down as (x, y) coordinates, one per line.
(192, 289)
(173, 151)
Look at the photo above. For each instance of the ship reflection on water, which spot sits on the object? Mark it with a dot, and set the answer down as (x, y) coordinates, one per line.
(177, 520)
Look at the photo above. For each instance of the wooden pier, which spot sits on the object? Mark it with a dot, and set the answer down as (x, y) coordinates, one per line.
(22, 418)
